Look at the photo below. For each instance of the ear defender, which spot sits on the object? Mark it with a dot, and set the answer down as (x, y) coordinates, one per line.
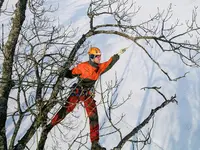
(91, 56)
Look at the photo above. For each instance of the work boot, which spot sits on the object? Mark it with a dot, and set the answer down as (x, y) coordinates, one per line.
(97, 146)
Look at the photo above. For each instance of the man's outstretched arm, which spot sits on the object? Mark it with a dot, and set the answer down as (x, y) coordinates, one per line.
(110, 63)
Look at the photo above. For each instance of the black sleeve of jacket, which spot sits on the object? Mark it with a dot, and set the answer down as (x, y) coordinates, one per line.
(115, 58)
(68, 74)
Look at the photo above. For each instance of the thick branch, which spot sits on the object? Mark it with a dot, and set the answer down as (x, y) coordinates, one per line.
(135, 39)
(1, 4)
(52, 101)
(140, 126)
(9, 50)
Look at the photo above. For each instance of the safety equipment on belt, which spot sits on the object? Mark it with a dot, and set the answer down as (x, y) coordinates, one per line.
(78, 91)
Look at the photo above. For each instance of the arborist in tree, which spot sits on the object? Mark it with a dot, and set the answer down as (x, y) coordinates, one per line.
(88, 73)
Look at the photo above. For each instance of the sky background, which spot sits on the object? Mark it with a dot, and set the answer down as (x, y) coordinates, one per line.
(176, 127)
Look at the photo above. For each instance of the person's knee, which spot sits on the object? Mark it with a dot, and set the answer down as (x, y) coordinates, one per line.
(71, 103)
(93, 118)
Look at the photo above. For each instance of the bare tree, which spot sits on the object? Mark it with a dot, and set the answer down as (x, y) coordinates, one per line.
(8, 51)
(36, 62)
(1, 3)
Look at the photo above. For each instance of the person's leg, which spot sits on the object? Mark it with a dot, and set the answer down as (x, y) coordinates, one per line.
(92, 113)
(91, 110)
(69, 106)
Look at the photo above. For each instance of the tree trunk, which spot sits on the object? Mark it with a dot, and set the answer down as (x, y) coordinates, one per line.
(43, 114)
(9, 51)
(1, 4)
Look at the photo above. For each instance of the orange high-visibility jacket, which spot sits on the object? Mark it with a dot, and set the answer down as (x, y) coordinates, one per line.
(88, 72)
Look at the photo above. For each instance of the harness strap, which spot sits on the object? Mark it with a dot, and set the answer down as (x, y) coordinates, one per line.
(80, 91)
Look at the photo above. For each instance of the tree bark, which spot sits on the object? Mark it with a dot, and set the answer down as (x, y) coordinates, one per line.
(9, 51)
(1, 4)
(51, 103)
(143, 123)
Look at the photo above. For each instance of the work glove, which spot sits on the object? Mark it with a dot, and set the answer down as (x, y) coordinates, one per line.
(122, 51)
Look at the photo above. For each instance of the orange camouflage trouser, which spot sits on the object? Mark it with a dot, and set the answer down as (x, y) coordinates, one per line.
(91, 109)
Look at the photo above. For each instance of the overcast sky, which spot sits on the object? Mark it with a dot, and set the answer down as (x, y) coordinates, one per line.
(176, 127)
